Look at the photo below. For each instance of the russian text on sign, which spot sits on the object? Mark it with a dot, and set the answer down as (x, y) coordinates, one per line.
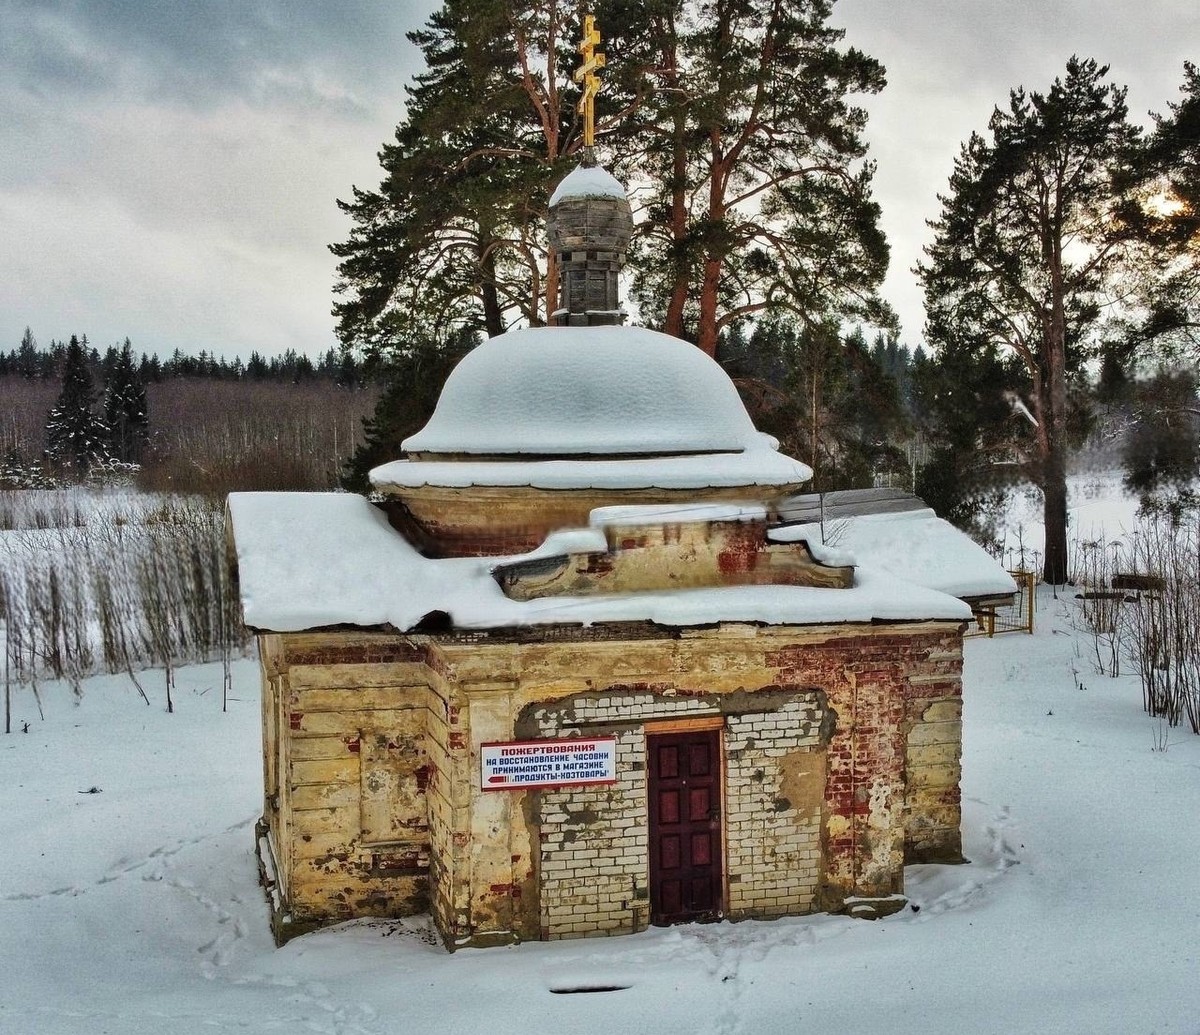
(548, 763)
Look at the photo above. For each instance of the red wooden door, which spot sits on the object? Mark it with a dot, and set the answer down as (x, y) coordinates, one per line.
(685, 826)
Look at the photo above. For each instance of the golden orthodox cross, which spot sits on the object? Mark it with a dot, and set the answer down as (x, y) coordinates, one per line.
(586, 74)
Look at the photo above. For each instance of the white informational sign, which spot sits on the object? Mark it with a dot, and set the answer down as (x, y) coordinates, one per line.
(547, 763)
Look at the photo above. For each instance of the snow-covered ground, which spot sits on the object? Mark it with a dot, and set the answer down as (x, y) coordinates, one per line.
(1098, 508)
(136, 908)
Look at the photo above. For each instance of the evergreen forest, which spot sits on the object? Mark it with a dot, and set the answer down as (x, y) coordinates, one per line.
(70, 413)
(1062, 282)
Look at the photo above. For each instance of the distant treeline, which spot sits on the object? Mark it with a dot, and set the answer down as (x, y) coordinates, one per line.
(69, 413)
(30, 361)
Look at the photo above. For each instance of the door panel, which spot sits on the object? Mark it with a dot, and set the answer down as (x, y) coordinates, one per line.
(686, 877)
(669, 854)
(668, 760)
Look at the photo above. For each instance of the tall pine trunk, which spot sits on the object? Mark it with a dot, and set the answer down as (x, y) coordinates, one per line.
(677, 302)
(706, 332)
(710, 283)
(1054, 461)
(493, 316)
(678, 218)
(1054, 492)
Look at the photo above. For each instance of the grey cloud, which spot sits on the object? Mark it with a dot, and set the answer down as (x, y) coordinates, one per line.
(169, 167)
(202, 51)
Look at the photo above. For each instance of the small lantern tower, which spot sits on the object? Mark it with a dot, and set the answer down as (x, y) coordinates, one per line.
(590, 221)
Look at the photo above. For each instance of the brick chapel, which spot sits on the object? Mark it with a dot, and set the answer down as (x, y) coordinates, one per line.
(573, 673)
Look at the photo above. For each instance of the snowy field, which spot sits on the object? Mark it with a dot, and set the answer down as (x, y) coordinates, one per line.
(134, 907)
(1098, 509)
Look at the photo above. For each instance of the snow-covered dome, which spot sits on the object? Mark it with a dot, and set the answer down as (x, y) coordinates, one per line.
(536, 428)
(587, 391)
(587, 181)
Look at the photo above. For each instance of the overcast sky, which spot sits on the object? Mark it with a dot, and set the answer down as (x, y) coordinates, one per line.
(169, 168)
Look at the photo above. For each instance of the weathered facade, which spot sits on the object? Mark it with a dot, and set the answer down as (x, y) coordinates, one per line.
(577, 672)
(838, 755)
(589, 234)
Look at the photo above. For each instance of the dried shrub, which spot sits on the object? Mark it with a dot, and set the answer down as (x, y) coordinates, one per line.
(131, 582)
(1164, 617)
(1101, 602)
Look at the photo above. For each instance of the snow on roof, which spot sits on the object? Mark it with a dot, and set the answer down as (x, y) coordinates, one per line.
(677, 513)
(596, 391)
(915, 545)
(824, 553)
(759, 466)
(563, 542)
(587, 182)
(313, 560)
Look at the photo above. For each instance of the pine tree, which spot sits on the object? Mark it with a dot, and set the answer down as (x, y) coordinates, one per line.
(962, 403)
(734, 117)
(125, 411)
(1168, 224)
(111, 355)
(150, 369)
(327, 365)
(28, 365)
(58, 355)
(14, 472)
(346, 373)
(759, 193)
(303, 369)
(821, 395)
(1162, 450)
(75, 435)
(256, 368)
(413, 382)
(1030, 236)
(454, 235)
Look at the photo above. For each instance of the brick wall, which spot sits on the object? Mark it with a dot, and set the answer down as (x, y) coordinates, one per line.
(593, 852)
(774, 794)
(875, 679)
(826, 789)
(594, 855)
(594, 863)
(933, 744)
